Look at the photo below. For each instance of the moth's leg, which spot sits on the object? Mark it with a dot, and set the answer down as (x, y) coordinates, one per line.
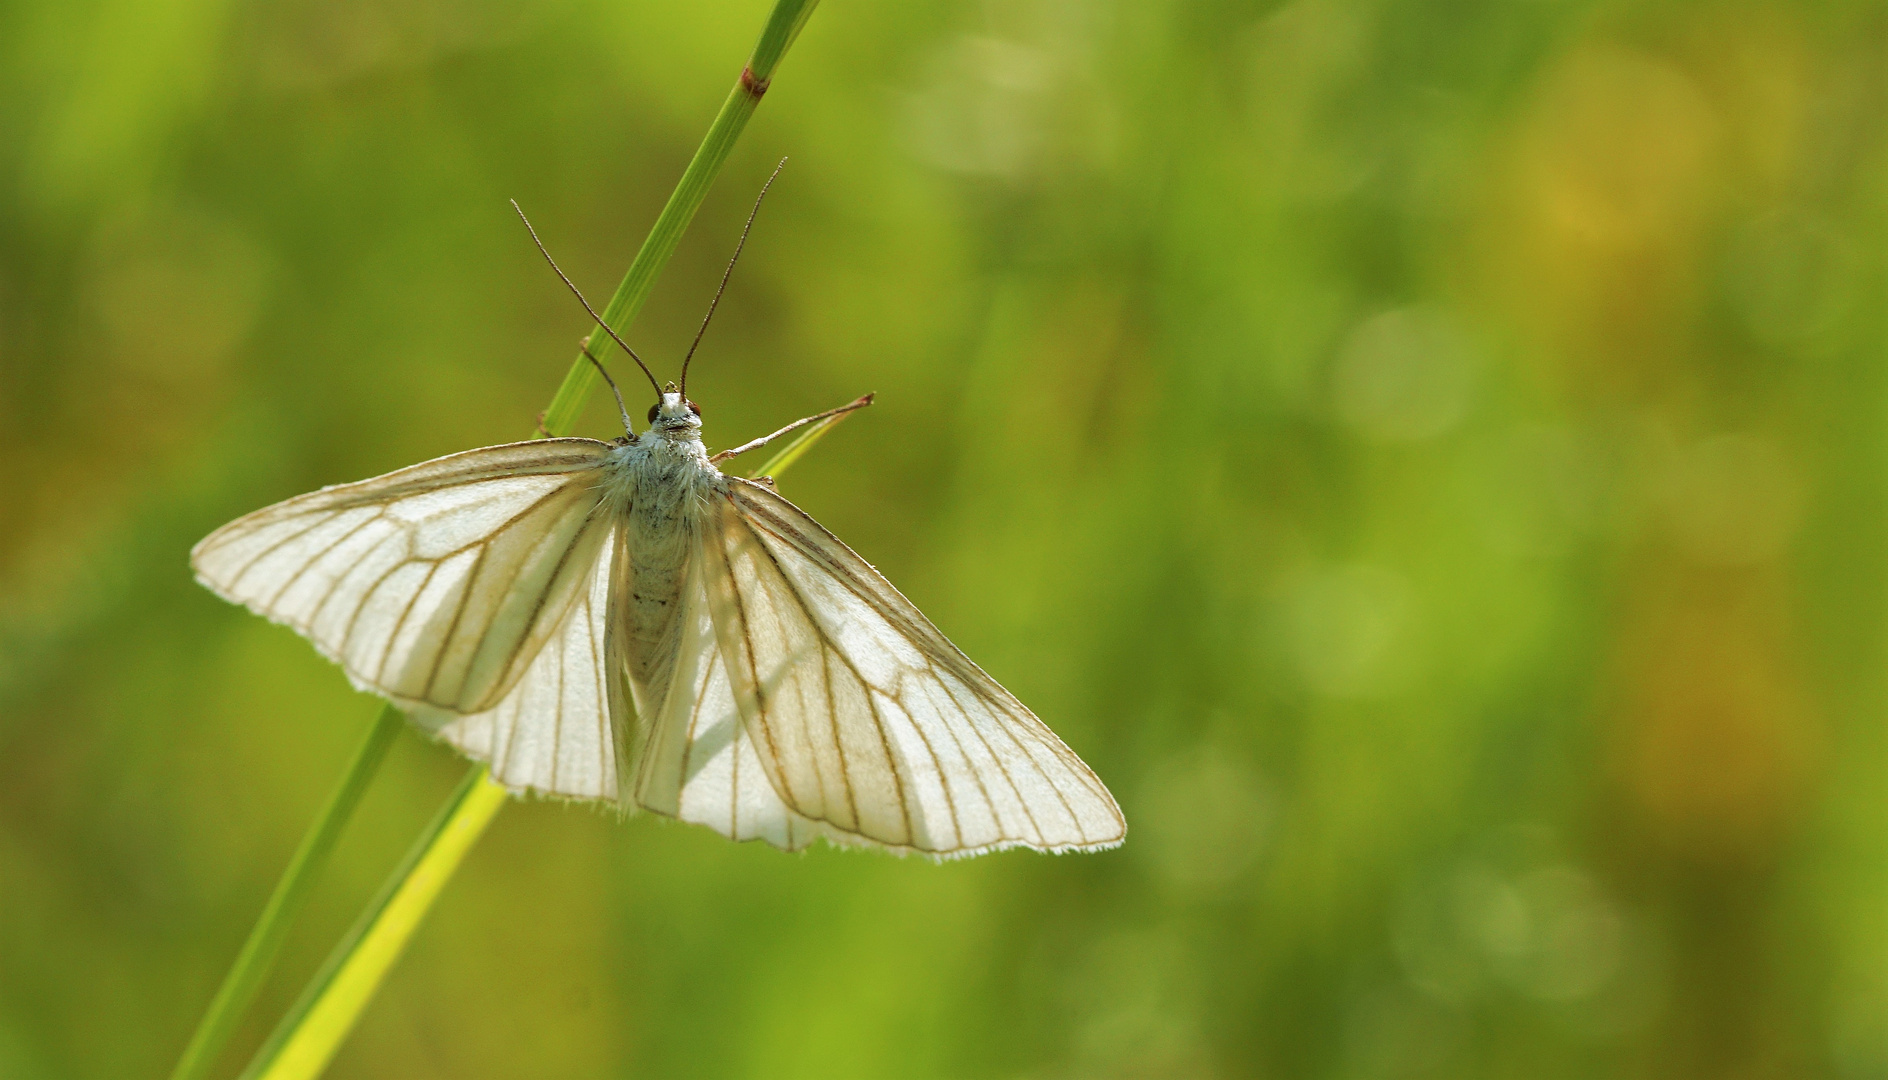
(796, 425)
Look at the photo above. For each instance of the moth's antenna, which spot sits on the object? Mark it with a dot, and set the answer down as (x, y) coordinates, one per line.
(605, 372)
(725, 274)
(593, 312)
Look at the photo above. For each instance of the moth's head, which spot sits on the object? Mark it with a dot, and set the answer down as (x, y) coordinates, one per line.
(674, 412)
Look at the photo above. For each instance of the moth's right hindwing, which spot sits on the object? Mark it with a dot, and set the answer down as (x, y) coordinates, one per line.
(696, 763)
(436, 585)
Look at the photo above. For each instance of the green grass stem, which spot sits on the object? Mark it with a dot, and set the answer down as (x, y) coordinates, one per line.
(309, 1035)
(313, 1029)
(291, 894)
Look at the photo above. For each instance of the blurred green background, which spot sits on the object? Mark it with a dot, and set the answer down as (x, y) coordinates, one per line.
(1430, 459)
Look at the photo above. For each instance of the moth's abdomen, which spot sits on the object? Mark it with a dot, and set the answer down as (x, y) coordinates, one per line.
(658, 534)
(648, 610)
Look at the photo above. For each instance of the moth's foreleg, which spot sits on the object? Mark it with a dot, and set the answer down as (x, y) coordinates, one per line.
(795, 426)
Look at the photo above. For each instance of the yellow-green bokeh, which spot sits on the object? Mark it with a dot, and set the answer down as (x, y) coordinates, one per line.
(1430, 459)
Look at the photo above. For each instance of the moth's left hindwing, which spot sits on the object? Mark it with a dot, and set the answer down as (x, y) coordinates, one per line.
(436, 585)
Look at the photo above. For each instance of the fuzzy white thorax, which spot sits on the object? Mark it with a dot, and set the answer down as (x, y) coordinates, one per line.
(663, 467)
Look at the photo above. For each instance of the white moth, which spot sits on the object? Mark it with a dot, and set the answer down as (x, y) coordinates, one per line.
(622, 621)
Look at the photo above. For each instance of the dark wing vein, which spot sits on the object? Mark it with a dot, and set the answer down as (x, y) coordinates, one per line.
(328, 593)
(452, 628)
(839, 743)
(386, 651)
(1001, 766)
(831, 647)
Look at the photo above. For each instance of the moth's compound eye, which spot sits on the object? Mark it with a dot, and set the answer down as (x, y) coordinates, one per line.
(652, 412)
(694, 408)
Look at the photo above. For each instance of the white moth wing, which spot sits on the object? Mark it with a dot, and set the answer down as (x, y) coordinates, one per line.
(696, 762)
(865, 718)
(552, 733)
(435, 585)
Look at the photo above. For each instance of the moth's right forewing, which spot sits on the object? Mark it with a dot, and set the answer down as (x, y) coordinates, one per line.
(866, 718)
(435, 585)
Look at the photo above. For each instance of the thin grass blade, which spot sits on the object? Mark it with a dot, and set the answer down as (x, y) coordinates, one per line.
(307, 1038)
(291, 895)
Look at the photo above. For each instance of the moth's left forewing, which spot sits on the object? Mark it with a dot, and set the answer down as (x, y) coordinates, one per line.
(434, 585)
(865, 717)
